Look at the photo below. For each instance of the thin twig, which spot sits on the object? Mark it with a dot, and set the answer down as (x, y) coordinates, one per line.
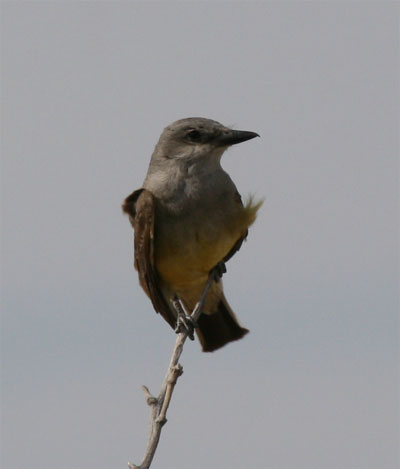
(159, 405)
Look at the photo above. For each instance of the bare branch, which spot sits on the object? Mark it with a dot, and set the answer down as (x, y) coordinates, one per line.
(159, 405)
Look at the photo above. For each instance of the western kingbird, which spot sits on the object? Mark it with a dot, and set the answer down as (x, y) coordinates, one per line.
(189, 219)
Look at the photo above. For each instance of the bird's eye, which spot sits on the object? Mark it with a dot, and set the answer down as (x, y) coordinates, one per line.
(194, 135)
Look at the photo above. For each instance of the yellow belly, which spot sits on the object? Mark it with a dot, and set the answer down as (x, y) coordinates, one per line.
(185, 252)
(193, 262)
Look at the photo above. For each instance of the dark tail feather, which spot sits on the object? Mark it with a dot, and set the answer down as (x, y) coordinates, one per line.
(217, 329)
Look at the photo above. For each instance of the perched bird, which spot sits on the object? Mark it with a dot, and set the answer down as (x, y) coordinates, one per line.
(189, 219)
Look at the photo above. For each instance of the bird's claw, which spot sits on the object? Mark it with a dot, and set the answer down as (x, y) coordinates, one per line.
(184, 322)
(218, 271)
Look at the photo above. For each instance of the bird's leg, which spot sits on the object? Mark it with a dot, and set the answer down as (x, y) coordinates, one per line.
(184, 322)
(218, 271)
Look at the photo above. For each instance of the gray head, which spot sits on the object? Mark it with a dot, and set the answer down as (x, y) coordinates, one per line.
(196, 137)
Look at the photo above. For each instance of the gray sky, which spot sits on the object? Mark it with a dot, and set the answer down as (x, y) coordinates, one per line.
(87, 88)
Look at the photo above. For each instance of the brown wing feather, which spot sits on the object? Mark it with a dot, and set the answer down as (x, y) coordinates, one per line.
(140, 206)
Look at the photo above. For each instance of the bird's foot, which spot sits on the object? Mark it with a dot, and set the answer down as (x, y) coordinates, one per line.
(184, 322)
(218, 271)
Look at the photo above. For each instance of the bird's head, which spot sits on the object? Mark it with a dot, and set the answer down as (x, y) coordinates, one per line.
(196, 137)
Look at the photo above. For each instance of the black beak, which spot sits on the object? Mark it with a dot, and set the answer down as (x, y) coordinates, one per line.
(231, 137)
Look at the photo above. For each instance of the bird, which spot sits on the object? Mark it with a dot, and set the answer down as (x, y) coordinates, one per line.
(189, 220)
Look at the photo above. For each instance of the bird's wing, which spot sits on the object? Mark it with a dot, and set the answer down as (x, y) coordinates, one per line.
(140, 206)
(235, 248)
